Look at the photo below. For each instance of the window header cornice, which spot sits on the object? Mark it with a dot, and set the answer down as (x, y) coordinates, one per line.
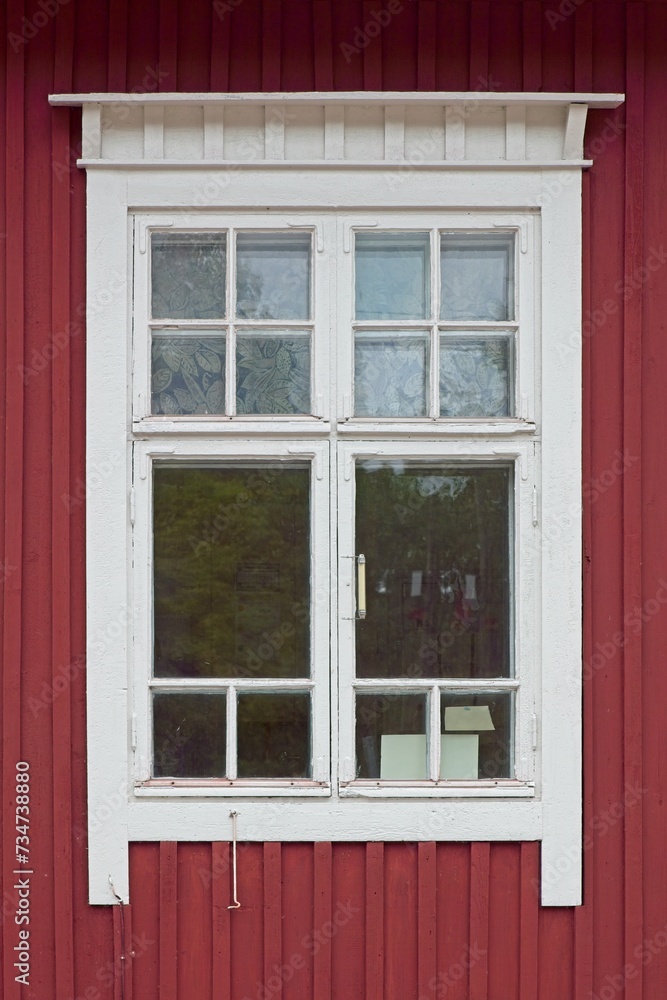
(424, 130)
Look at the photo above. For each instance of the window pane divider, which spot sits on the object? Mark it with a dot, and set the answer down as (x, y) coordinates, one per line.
(434, 733)
(244, 683)
(231, 765)
(408, 684)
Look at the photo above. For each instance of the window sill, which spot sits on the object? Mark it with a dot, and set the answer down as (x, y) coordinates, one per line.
(507, 788)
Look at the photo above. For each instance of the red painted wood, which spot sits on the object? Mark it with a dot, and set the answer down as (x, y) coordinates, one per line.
(220, 881)
(322, 34)
(426, 45)
(532, 14)
(220, 48)
(479, 919)
(347, 944)
(401, 920)
(121, 970)
(479, 45)
(271, 47)
(426, 915)
(375, 906)
(654, 538)
(272, 919)
(632, 493)
(168, 928)
(505, 56)
(372, 52)
(453, 918)
(504, 921)
(194, 931)
(528, 921)
(297, 901)
(322, 912)
(13, 475)
(247, 923)
(167, 58)
(60, 531)
(145, 882)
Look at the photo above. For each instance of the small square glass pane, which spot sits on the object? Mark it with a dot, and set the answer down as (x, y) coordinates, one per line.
(188, 374)
(188, 275)
(475, 377)
(231, 570)
(273, 373)
(391, 737)
(273, 276)
(390, 375)
(392, 276)
(476, 735)
(477, 277)
(274, 735)
(189, 735)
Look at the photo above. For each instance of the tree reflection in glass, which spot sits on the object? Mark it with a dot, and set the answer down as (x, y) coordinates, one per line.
(437, 545)
(231, 571)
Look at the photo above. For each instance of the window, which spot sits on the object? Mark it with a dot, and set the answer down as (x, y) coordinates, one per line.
(337, 558)
(232, 667)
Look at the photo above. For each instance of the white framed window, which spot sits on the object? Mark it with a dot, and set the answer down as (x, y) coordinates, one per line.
(345, 539)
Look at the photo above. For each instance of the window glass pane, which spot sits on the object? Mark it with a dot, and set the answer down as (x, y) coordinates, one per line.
(390, 375)
(188, 275)
(188, 374)
(475, 376)
(273, 374)
(273, 276)
(477, 277)
(437, 544)
(232, 571)
(391, 736)
(274, 735)
(392, 276)
(477, 735)
(189, 733)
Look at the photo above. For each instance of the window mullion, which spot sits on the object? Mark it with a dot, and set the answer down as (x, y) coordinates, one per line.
(230, 391)
(232, 742)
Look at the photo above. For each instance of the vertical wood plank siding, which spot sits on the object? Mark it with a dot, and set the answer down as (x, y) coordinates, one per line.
(366, 921)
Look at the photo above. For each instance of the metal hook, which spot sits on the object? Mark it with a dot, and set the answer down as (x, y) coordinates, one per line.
(235, 905)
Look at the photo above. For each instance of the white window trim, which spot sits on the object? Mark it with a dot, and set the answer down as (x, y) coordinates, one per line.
(498, 153)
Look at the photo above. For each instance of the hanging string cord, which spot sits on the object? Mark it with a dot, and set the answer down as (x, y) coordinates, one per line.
(235, 905)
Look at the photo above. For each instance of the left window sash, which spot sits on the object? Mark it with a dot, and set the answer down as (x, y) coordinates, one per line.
(223, 644)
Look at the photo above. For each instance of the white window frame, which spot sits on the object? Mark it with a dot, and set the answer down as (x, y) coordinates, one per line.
(493, 156)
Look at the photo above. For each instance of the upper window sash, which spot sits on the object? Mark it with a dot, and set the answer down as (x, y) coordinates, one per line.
(421, 340)
(228, 335)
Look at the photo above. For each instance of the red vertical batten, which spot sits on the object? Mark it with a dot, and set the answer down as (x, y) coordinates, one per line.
(632, 491)
(12, 568)
(415, 912)
(60, 528)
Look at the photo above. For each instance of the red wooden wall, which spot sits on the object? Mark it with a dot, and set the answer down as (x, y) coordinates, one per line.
(399, 922)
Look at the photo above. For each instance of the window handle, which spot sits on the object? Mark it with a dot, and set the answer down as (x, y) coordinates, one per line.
(361, 586)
